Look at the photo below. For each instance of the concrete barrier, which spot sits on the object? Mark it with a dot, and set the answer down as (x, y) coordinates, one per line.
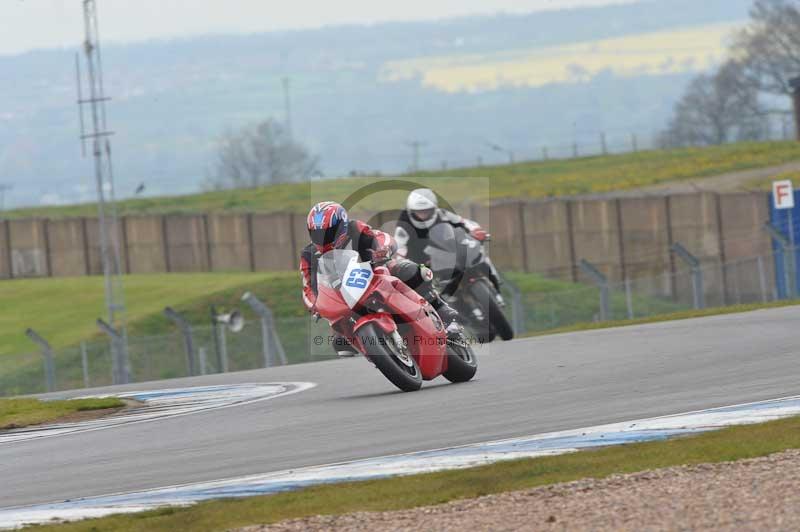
(230, 242)
(29, 248)
(595, 229)
(624, 238)
(67, 247)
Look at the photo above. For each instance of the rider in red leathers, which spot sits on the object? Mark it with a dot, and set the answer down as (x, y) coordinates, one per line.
(330, 228)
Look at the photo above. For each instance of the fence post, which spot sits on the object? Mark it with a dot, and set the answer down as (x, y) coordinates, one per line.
(220, 341)
(517, 309)
(201, 353)
(188, 342)
(47, 355)
(602, 283)
(270, 342)
(789, 263)
(121, 373)
(629, 299)
(85, 365)
(762, 280)
(698, 291)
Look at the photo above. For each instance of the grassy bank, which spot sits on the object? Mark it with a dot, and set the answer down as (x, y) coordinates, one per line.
(18, 413)
(522, 180)
(436, 488)
(64, 311)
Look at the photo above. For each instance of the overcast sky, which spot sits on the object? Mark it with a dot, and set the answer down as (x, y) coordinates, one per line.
(31, 24)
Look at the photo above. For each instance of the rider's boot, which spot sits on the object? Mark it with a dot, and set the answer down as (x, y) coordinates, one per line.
(449, 315)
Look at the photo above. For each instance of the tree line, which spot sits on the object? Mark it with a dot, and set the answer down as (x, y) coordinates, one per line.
(737, 101)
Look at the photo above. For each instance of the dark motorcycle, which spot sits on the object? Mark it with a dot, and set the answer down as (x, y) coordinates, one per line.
(463, 276)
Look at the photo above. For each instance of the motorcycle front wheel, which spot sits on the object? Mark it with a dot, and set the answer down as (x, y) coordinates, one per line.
(394, 361)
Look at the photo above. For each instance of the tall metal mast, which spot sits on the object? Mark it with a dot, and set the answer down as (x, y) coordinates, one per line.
(104, 176)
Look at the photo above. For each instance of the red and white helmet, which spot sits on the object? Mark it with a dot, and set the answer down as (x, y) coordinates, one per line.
(327, 225)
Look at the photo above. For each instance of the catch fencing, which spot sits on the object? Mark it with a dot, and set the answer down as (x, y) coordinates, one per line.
(295, 340)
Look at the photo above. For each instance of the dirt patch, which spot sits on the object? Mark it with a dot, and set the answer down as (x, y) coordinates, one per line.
(756, 494)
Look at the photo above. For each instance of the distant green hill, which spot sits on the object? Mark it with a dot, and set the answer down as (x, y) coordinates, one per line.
(360, 93)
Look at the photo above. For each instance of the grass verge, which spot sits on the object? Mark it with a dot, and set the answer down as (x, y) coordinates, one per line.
(525, 180)
(730, 444)
(18, 413)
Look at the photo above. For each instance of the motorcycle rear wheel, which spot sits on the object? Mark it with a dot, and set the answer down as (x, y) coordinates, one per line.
(462, 364)
(381, 350)
(485, 294)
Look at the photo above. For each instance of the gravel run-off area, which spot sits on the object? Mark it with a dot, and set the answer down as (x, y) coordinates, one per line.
(755, 494)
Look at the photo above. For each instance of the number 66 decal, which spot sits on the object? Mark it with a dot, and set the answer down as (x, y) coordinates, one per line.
(358, 278)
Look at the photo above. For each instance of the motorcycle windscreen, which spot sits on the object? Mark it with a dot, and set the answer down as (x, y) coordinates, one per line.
(452, 251)
(342, 270)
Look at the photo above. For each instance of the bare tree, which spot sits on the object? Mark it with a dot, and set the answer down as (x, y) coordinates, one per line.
(716, 109)
(261, 154)
(769, 47)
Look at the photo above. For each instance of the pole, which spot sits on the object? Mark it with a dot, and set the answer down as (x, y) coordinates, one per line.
(602, 283)
(215, 330)
(201, 353)
(85, 365)
(47, 357)
(104, 180)
(698, 290)
(270, 342)
(795, 86)
(788, 262)
(415, 147)
(792, 254)
(188, 342)
(223, 342)
(121, 373)
(287, 103)
(762, 280)
(629, 299)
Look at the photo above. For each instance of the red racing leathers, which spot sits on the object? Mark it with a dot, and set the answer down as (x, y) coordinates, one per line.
(361, 238)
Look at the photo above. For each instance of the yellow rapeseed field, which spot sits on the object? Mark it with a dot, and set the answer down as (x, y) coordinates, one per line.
(663, 52)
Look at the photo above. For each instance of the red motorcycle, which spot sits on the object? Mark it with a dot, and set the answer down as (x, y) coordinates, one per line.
(389, 323)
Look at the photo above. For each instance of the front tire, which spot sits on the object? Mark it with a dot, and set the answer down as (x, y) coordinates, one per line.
(462, 364)
(486, 297)
(390, 359)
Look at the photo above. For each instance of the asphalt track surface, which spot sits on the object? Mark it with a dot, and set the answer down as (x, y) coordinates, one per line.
(524, 387)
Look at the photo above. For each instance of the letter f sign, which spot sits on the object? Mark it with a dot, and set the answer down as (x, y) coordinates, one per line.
(783, 195)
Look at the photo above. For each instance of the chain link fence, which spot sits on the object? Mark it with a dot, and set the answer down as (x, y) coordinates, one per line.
(263, 343)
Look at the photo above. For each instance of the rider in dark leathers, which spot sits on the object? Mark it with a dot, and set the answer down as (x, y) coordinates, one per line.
(422, 212)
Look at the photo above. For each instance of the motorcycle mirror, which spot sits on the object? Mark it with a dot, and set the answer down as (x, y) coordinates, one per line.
(234, 320)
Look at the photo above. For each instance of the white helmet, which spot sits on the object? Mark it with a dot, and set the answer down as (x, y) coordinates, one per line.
(421, 207)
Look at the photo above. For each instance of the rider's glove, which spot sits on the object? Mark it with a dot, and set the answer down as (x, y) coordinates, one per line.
(381, 255)
(480, 234)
